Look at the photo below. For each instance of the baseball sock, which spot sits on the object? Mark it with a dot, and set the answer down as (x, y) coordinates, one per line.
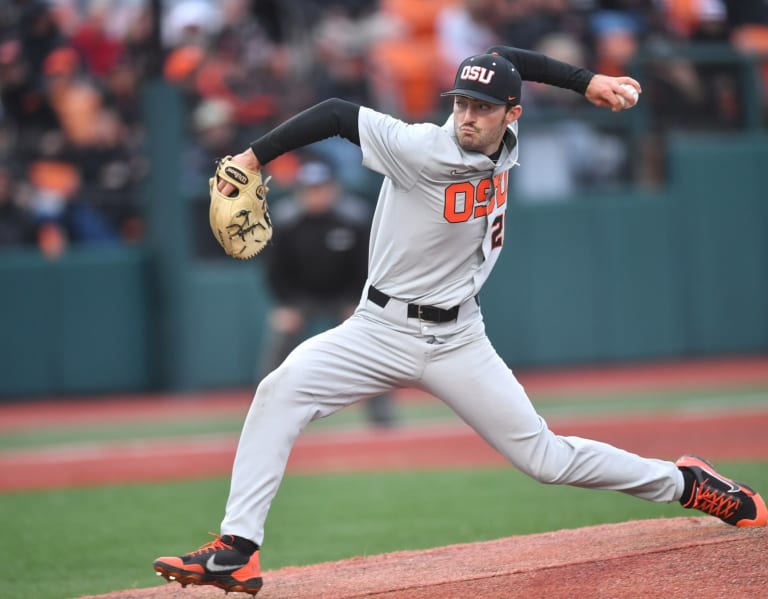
(244, 545)
(689, 482)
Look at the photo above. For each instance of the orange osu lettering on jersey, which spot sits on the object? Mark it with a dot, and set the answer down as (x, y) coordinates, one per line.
(483, 190)
(500, 183)
(459, 199)
(466, 200)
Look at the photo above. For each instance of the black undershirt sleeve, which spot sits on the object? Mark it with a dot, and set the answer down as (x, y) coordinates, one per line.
(534, 66)
(339, 117)
(326, 119)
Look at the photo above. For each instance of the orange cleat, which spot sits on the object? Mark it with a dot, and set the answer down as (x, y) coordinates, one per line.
(218, 563)
(717, 495)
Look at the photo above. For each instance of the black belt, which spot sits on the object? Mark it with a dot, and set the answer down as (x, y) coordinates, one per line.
(429, 313)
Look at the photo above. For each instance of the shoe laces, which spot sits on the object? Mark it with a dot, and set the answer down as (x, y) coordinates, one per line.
(211, 546)
(715, 502)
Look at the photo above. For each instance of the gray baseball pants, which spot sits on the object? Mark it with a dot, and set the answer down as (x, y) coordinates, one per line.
(380, 349)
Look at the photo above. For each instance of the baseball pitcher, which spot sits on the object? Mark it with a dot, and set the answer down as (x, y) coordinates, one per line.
(437, 232)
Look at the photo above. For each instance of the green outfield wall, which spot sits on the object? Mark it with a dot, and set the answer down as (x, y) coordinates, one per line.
(682, 272)
(83, 324)
(625, 276)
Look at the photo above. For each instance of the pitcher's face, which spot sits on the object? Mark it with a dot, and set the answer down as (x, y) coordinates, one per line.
(480, 125)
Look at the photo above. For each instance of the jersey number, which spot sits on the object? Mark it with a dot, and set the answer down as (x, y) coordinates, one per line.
(497, 232)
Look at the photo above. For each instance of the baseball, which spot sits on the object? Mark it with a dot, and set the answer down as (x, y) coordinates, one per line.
(635, 96)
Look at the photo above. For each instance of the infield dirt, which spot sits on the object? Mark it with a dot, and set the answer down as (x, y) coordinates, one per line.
(670, 558)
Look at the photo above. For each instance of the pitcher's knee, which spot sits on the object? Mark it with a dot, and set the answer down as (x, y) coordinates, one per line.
(281, 382)
(547, 474)
(553, 465)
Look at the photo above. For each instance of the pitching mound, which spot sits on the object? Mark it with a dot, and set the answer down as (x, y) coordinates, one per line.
(669, 558)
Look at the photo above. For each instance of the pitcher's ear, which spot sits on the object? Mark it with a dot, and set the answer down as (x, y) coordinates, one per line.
(513, 113)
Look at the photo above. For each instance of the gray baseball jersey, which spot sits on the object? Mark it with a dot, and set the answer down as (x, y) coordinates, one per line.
(437, 232)
(417, 251)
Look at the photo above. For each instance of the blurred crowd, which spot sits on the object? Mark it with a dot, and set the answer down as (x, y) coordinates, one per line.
(72, 72)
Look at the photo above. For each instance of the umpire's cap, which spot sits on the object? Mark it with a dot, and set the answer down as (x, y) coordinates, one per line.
(488, 77)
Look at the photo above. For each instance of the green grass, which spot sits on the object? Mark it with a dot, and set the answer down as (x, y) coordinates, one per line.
(119, 431)
(67, 543)
(683, 400)
(550, 406)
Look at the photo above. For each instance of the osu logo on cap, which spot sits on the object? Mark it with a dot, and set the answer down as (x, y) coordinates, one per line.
(475, 73)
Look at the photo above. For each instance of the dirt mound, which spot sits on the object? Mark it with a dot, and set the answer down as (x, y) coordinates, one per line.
(669, 558)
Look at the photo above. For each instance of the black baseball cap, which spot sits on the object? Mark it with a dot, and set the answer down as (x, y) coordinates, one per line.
(488, 77)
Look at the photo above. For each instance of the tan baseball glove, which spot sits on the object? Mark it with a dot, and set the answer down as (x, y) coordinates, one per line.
(240, 222)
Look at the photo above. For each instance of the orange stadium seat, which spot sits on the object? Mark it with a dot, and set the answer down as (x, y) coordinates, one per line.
(419, 15)
(405, 75)
(407, 71)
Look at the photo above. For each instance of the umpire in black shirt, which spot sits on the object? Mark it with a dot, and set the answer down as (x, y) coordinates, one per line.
(317, 267)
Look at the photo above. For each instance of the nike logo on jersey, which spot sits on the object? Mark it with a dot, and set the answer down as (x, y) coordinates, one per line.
(212, 566)
(456, 173)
